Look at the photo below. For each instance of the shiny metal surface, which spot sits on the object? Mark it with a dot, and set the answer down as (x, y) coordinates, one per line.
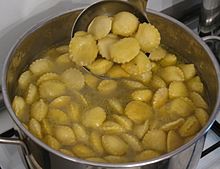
(210, 16)
(57, 30)
(110, 8)
(206, 38)
(24, 149)
(214, 44)
(2, 105)
(140, 4)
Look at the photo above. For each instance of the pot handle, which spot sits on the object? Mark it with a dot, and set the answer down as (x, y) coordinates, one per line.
(5, 139)
(206, 38)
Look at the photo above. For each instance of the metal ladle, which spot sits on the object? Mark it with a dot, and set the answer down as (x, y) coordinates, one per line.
(109, 8)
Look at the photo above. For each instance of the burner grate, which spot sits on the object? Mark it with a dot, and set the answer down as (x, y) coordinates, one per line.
(216, 129)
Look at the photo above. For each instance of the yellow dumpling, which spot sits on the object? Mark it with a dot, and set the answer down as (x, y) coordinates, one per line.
(91, 80)
(173, 140)
(155, 140)
(133, 84)
(79, 97)
(111, 127)
(63, 49)
(146, 155)
(52, 142)
(189, 70)
(80, 33)
(124, 50)
(51, 89)
(117, 72)
(177, 89)
(96, 142)
(104, 45)
(32, 94)
(57, 116)
(21, 108)
(107, 86)
(80, 132)
(41, 66)
(145, 77)
(83, 151)
(157, 54)
(94, 117)
(73, 78)
(60, 102)
(100, 66)
(173, 125)
(35, 128)
(171, 73)
(141, 129)
(190, 127)
(47, 127)
(116, 159)
(39, 110)
(148, 37)
(64, 135)
(133, 142)
(64, 60)
(181, 106)
(155, 67)
(114, 145)
(198, 100)
(51, 53)
(72, 111)
(115, 106)
(140, 64)
(138, 111)
(123, 121)
(154, 124)
(160, 97)
(195, 84)
(202, 116)
(124, 23)
(83, 49)
(25, 79)
(100, 26)
(168, 60)
(142, 95)
(47, 76)
(157, 82)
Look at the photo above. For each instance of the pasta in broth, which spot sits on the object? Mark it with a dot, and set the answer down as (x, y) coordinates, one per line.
(115, 121)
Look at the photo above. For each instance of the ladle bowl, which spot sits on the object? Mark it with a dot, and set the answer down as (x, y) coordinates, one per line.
(109, 8)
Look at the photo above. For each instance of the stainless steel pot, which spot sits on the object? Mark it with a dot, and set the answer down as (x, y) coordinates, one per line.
(57, 30)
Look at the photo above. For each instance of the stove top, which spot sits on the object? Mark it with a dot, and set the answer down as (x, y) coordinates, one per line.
(10, 157)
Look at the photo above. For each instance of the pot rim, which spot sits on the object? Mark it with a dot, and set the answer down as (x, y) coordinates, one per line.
(202, 132)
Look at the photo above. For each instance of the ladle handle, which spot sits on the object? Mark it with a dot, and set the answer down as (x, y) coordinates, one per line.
(141, 4)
